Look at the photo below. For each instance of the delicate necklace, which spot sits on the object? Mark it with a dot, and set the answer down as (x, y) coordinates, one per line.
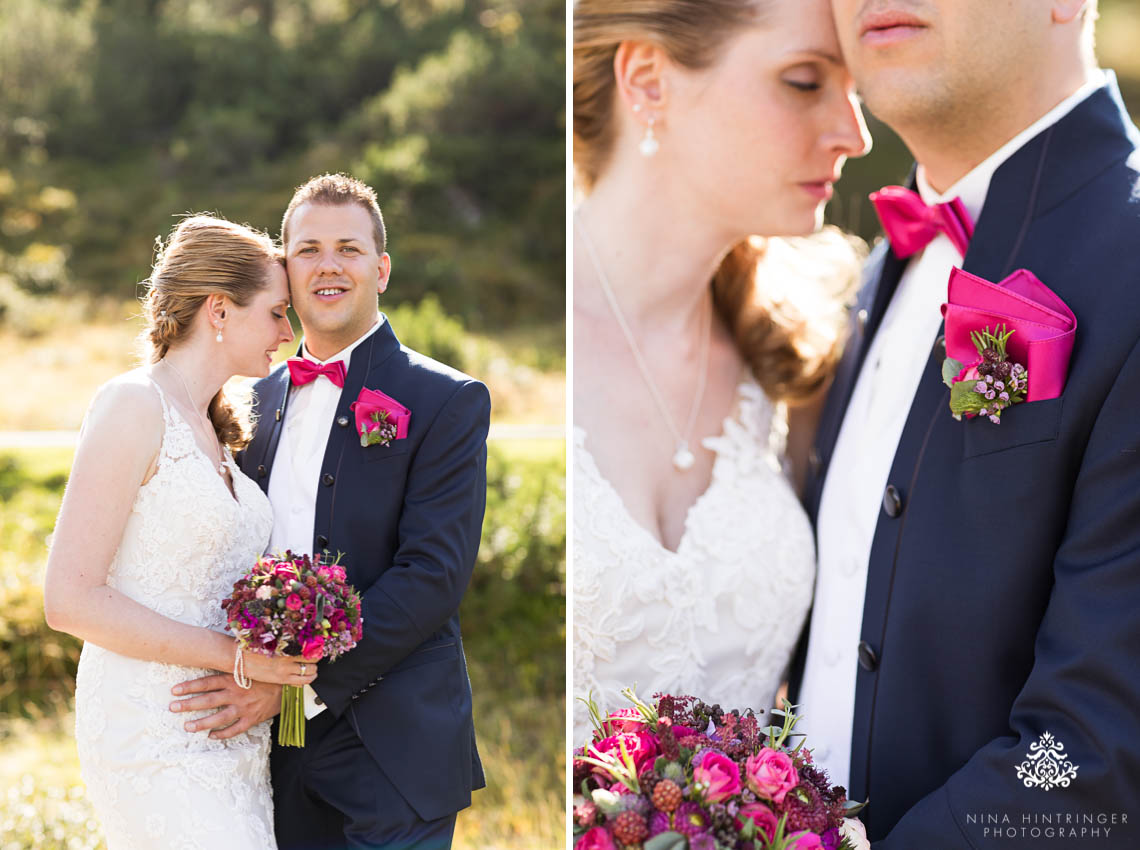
(205, 419)
(683, 458)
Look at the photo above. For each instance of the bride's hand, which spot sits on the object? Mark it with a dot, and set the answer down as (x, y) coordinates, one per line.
(279, 669)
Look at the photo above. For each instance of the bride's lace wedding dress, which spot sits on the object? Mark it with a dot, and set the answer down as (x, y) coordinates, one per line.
(153, 784)
(716, 619)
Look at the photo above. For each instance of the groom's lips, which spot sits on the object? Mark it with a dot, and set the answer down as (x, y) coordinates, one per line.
(885, 28)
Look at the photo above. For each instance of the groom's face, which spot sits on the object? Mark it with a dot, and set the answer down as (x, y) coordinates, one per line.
(335, 274)
(931, 63)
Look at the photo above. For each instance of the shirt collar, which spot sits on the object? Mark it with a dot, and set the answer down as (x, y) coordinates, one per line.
(972, 188)
(345, 354)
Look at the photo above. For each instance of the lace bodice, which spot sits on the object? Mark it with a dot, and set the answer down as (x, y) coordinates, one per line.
(719, 617)
(188, 539)
(153, 784)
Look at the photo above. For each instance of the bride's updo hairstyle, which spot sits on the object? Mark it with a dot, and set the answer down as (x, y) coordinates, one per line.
(783, 299)
(205, 255)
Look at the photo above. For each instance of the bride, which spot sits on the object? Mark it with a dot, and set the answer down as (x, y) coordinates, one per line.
(156, 524)
(700, 127)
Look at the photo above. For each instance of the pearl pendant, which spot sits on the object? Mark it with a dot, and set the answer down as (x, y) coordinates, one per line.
(684, 458)
(648, 145)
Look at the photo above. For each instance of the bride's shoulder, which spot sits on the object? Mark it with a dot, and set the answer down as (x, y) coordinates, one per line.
(128, 406)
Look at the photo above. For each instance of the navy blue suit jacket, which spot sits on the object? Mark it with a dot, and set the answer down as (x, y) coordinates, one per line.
(1003, 588)
(407, 517)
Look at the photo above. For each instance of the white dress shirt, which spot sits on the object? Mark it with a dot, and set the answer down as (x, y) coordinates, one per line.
(297, 465)
(864, 452)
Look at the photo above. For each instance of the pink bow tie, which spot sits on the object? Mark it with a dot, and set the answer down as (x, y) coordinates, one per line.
(302, 371)
(911, 224)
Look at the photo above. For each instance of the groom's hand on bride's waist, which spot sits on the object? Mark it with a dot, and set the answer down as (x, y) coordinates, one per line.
(237, 708)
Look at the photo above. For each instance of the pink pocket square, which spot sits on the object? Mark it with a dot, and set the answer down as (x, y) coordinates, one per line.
(379, 418)
(1043, 326)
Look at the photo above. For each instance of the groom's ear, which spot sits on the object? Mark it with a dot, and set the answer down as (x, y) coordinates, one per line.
(385, 268)
(1066, 11)
(639, 70)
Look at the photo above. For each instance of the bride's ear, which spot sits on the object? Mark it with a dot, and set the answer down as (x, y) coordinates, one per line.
(216, 310)
(639, 70)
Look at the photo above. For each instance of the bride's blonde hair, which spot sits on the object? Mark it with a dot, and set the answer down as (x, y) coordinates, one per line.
(205, 255)
(783, 299)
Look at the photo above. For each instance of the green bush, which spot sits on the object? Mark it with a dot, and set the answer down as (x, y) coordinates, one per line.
(426, 328)
(515, 608)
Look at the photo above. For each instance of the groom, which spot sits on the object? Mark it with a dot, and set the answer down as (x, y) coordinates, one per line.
(390, 753)
(983, 689)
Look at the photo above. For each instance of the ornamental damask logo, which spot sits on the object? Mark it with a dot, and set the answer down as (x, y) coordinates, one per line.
(1046, 765)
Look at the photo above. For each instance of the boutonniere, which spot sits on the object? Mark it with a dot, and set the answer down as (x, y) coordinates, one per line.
(1006, 343)
(380, 419)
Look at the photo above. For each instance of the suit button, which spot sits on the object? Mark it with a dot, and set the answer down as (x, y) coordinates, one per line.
(261, 470)
(322, 541)
(327, 479)
(342, 421)
(868, 660)
(892, 501)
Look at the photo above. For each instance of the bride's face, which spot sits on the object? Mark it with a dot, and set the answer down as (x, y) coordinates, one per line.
(254, 332)
(758, 138)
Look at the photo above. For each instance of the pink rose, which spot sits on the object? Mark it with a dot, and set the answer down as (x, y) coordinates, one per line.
(969, 372)
(313, 649)
(293, 602)
(771, 774)
(764, 818)
(264, 592)
(720, 776)
(596, 839)
(641, 746)
(324, 572)
(338, 573)
(805, 841)
(627, 720)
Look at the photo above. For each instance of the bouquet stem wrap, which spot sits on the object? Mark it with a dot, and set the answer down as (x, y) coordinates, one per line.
(291, 726)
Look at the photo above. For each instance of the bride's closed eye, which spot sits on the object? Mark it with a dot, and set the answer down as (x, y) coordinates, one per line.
(803, 79)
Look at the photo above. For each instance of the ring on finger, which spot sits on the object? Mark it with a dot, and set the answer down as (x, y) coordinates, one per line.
(303, 668)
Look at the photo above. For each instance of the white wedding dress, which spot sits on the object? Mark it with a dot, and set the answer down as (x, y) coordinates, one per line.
(717, 619)
(152, 783)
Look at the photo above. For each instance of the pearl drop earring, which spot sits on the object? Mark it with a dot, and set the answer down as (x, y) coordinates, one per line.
(219, 336)
(648, 145)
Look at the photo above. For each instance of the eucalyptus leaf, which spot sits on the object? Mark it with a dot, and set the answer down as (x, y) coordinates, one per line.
(851, 808)
(963, 398)
(951, 368)
(667, 841)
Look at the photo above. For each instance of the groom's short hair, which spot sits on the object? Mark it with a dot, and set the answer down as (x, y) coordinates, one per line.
(338, 190)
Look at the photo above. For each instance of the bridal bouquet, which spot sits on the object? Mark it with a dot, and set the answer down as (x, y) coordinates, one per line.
(299, 606)
(684, 775)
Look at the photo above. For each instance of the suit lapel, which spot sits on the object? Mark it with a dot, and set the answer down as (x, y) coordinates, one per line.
(882, 275)
(272, 399)
(365, 358)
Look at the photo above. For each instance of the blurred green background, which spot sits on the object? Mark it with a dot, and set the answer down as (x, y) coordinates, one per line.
(1118, 48)
(116, 116)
